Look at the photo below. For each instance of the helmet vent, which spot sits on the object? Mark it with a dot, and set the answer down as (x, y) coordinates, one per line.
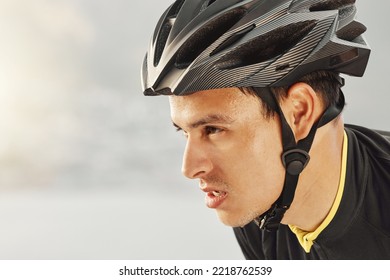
(161, 41)
(205, 36)
(267, 46)
(351, 31)
(166, 29)
(331, 5)
(233, 39)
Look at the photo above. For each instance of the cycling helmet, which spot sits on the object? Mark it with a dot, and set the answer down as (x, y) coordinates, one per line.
(207, 44)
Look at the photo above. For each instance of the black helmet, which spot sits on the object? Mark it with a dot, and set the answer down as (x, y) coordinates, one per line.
(207, 44)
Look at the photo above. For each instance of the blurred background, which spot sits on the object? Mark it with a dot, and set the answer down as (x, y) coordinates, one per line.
(89, 167)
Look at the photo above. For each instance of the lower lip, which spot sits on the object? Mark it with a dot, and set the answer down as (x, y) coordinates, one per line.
(213, 201)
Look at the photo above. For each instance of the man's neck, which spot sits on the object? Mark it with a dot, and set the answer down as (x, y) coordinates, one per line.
(319, 182)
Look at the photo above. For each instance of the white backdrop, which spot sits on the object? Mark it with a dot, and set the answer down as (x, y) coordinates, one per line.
(89, 168)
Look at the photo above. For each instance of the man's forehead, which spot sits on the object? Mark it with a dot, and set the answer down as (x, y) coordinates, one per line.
(211, 106)
(204, 103)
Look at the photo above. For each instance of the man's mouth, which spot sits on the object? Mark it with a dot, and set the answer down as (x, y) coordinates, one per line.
(214, 199)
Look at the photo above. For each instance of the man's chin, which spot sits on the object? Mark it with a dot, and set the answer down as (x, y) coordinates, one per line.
(230, 221)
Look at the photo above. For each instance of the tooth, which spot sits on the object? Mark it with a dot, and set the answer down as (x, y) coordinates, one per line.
(216, 193)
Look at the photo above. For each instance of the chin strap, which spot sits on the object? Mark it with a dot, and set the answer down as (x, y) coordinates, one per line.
(295, 158)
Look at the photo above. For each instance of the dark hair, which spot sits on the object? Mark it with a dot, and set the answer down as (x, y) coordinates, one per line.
(325, 83)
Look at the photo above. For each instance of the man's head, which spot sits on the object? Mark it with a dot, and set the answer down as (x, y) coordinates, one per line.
(233, 146)
(230, 65)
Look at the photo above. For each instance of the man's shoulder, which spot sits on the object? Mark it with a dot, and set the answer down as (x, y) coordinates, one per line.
(385, 134)
(370, 137)
(369, 149)
(370, 157)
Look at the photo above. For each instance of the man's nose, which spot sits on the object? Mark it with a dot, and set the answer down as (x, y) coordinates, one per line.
(196, 161)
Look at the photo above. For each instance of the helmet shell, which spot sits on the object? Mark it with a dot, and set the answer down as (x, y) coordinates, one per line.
(208, 44)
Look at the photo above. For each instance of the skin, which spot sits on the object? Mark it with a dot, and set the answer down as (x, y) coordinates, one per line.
(233, 149)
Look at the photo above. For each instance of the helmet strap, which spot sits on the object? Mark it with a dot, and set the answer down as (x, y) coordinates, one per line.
(295, 158)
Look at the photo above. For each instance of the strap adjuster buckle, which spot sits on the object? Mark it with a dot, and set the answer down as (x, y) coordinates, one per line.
(295, 161)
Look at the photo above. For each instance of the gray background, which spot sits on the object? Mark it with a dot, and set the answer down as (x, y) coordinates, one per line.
(89, 168)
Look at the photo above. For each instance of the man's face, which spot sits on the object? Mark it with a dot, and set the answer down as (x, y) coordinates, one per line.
(232, 149)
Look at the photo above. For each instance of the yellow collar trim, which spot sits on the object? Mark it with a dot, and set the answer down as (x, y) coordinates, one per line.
(305, 238)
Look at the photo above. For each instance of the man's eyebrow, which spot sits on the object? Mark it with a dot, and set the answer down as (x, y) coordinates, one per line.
(214, 118)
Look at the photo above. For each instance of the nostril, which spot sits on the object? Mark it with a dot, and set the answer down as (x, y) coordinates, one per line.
(198, 174)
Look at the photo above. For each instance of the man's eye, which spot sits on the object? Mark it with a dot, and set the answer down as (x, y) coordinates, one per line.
(212, 130)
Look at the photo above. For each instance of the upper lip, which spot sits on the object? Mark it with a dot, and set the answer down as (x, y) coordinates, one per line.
(206, 188)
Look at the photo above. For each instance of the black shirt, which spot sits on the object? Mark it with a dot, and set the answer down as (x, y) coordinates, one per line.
(360, 228)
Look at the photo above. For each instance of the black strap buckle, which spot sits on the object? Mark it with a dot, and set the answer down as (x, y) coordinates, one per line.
(270, 221)
(295, 161)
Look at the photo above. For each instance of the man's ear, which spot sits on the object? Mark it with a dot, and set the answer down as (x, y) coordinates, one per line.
(302, 108)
